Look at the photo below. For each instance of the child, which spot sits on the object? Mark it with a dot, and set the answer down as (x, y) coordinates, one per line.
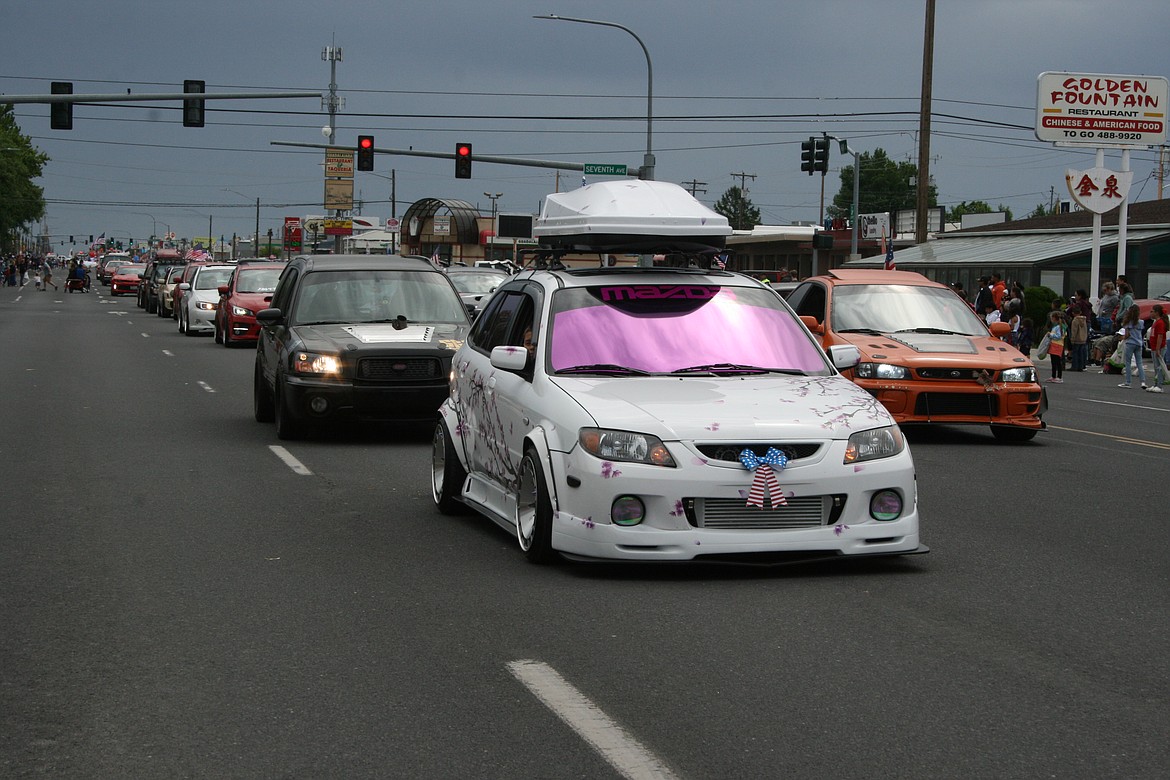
(1131, 332)
(1056, 345)
(1024, 337)
(1157, 340)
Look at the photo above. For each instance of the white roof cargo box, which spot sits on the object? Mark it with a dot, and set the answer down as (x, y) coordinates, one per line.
(630, 215)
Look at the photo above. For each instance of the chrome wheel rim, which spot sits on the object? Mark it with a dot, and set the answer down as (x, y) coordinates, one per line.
(438, 461)
(526, 504)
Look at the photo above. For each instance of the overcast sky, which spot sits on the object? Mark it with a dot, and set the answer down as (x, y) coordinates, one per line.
(737, 86)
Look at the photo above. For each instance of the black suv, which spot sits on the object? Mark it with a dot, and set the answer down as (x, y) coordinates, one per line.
(153, 277)
(363, 337)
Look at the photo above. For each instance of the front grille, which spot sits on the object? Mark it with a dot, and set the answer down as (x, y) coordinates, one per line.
(393, 369)
(957, 404)
(952, 374)
(734, 514)
(729, 452)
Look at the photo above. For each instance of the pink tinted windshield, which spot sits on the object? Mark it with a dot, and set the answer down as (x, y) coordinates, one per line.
(660, 329)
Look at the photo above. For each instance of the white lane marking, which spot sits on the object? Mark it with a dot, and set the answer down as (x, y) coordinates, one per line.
(145, 335)
(622, 751)
(168, 353)
(1119, 403)
(289, 460)
(205, 386)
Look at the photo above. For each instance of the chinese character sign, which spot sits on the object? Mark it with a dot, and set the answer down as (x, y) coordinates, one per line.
(1098, 189)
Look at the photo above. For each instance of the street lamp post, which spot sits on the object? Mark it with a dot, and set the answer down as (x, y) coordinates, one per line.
(647, 170)
(856, 188)
(489, 249)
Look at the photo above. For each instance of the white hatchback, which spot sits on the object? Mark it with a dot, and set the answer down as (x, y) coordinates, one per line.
(201, 298)
(667, 414)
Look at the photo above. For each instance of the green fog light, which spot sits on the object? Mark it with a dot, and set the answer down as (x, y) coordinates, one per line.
(885, 505)
(627, 511)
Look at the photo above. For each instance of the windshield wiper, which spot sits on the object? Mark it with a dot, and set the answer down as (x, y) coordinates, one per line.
(325, 322)
(869, 331)
(604, 368)
(735, 368)
(940, 331)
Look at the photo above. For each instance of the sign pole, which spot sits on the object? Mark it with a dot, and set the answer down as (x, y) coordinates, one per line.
(1095, 262)
(1123, 219)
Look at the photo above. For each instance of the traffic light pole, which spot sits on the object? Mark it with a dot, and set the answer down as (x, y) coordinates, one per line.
(856, 189)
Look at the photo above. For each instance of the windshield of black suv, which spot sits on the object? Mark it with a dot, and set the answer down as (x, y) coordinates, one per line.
(890, 308)
(686, 329)
(371, 295)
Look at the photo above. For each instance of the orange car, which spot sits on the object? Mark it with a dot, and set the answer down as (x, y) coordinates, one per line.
(924, 353)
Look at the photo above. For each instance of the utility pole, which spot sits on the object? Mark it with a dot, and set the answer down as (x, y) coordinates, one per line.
(740, 212)
(924, 127)
(693, 186)
(331, 102)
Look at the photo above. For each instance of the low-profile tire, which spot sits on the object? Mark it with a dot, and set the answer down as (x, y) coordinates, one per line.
(1009, 433)
(447, 473)
(288, 428)
(218, 335)
(151, 306)
(262, 406)
(182, 327)
(227, 336)
(534, 512)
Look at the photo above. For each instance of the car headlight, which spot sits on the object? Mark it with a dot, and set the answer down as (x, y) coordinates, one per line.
(240, 311)
(205, 305)
(881, 371)
(625, 446)
(1019, 374)
(874, 444)
(315, 363)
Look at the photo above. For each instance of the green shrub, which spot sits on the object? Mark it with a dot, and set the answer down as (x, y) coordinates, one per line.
(1037, 304)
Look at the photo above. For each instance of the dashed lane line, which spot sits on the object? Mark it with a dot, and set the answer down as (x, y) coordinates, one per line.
(289, 460)
(619, 749)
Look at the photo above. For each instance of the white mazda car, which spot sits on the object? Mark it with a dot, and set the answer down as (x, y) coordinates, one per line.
(664, 413)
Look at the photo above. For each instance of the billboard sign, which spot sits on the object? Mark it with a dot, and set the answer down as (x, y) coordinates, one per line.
(1089, 109)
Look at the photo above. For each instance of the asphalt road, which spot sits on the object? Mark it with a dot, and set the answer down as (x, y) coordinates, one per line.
(176, 600)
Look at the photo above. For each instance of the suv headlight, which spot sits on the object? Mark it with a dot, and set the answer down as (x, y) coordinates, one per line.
(205, 305)
(1019, 374)
(625, 446)
(315, 363)
(874, 444)
(240, 311)
(881, 371)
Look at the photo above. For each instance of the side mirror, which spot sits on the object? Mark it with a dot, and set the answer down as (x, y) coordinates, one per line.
(223, 289)
(811, 323)
(185, 286)
(269, 316)
(1000, 329)
(504, 358)
(844, 356)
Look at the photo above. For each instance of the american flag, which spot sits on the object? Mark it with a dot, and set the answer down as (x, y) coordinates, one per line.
(718, 262)
(100, 240)
(888, 247)
(435, 256)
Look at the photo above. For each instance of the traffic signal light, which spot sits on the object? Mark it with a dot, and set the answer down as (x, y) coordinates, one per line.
(821, 155)
(61, 114)
(462, 161)
(806, 154)
(365, 152)
(193, 109)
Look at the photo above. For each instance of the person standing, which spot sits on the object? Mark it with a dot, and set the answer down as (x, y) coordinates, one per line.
(1158, 347)
(1024, 337)
(48, 277)
(1056, 334)
(1131, 332)
(1107, 308)
(998, 289)
(1079, 331)
(1126, 293)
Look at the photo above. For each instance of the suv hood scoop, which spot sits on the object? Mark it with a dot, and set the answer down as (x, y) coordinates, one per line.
(935, 342)
(388, 334)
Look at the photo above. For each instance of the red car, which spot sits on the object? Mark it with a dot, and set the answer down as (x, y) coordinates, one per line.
(177, 294)
(126, 279)
(248, 291)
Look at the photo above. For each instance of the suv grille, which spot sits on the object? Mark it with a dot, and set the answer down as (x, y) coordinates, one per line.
(392, 369)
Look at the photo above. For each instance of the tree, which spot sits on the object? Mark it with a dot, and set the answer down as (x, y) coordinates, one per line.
(738, 209)
(1044, 211)
(21, 201)
(886, 186)
(976, 207)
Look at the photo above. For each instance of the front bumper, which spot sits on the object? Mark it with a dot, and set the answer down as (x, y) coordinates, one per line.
(243, 328)
(200, 319)
(1019, 404)
(313, 400)
(698, 510)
